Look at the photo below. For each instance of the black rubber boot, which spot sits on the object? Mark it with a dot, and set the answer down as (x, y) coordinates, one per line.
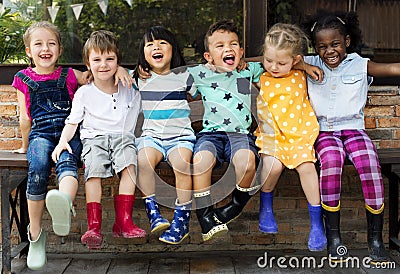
(233, 209)
(337, 252)
(376, 247)
(210, 227)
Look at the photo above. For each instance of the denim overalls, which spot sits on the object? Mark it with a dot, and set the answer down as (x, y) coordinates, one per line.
(50, 106)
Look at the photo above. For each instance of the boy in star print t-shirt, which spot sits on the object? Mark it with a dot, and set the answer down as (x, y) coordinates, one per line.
(226, 96)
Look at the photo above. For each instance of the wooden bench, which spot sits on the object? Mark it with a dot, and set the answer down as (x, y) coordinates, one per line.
(13, 176)
(13, 168)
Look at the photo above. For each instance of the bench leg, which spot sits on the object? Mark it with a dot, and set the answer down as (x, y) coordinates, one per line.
(394, 242)
(5, 224)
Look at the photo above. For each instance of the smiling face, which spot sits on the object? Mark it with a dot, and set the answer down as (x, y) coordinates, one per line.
(224, 50)
(279, 62)
(158, 53)
(44, 49)
(103, 66)
(331, 46)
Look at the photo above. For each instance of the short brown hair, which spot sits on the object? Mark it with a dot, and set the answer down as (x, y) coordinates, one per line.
(102, 40)
(223, 24)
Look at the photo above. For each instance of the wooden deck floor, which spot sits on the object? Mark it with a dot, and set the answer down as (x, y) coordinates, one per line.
(198, 262)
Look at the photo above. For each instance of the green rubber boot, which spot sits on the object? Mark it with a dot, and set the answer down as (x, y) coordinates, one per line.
(60, 209)
(37, 259)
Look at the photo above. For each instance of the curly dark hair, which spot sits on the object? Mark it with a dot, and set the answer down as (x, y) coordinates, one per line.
(345, 22)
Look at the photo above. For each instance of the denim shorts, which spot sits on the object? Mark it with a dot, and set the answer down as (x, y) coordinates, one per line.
(224, 145)
(166, 146)
(107, 155)
(40, 164)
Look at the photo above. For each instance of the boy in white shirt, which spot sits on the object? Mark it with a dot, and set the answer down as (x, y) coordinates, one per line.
(108, 116)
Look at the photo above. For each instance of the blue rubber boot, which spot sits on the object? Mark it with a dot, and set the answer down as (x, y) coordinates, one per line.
(317, 238)
(179, 229)
(157, 222)
(267, 223)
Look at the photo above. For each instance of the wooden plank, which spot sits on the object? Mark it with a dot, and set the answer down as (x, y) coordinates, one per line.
(389, 155)
(85, 266)
(10, 159)
(53, 266)
(169, 265)
(131, 265)
(214, 264)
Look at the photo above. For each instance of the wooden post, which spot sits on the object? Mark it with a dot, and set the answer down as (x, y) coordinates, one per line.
(255, 26)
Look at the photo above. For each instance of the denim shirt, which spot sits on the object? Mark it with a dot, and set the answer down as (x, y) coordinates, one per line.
(339, 100)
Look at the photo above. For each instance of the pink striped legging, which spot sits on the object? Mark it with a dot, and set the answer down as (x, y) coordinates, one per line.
(332, 148)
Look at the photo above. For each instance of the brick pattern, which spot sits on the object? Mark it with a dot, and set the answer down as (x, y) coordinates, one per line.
(382, 123)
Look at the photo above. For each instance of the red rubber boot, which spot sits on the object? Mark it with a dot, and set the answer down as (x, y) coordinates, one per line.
(93, 238)
(124, 225)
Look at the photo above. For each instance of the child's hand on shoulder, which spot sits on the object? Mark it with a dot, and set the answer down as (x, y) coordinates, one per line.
(84, 77)
(143, 74)
(315, 72)
(242, 65)
(123, 76)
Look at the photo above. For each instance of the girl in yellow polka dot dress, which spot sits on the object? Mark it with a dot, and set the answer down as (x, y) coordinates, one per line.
(287, 128)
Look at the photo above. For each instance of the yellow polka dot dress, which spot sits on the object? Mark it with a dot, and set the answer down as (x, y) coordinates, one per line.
(287, 126)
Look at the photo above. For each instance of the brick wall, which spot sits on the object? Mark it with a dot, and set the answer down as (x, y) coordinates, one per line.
(383, 125)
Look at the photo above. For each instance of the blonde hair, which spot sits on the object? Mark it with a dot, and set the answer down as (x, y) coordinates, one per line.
(41, 25)
(286, 37)
(102, 40)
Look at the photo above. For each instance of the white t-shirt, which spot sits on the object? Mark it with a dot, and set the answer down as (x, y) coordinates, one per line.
(102, 113)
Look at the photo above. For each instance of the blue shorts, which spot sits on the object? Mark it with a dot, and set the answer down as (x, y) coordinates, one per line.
(166, 146)
(224, 145)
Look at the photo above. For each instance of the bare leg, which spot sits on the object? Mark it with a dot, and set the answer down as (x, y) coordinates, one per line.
(203, 164)
(35, 211)
(69, 185)
(127, 183)
(245, 167)
(270, 172)
(93, 190)
(148, 158)
(309, 182)
(180, 161)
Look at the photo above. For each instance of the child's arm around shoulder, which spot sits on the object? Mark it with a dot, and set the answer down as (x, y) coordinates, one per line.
(314, 71)
(121, 75)
(383, 69)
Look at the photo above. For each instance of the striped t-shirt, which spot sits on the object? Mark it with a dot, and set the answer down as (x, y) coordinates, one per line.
(165, 107)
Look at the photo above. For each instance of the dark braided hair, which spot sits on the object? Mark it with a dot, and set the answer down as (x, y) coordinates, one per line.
(345, 23)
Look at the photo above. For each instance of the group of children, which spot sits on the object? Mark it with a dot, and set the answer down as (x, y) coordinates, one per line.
(296, 114)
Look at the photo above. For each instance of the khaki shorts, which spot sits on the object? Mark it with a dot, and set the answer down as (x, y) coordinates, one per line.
(106, 155)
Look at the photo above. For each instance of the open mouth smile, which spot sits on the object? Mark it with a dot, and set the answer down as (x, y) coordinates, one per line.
(229, 59)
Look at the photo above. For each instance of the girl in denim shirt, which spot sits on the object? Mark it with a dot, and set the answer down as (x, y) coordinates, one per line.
(339, 102)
